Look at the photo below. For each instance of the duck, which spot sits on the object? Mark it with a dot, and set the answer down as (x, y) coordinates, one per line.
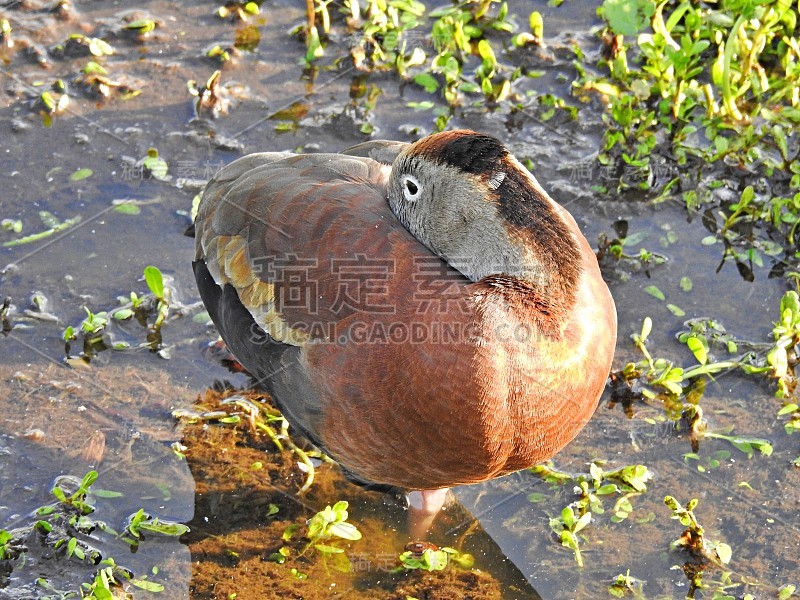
(424, 313)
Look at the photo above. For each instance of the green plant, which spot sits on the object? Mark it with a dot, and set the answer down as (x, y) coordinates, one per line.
(78, 499)
(260, 416)
(53, 225)
(693, 540)
(5, 544)
(324, 531)
(155, 281)
(329, 524)
(428, 557)
(96, 328)
(567, 526)
(615, 248)
(464, 61)
(67, 527)
(622, 585)
(140, 522)
(238, 10)
(458, 33)
(628, 481)
(776, 360)
(383, 42)
(94, 323)
(107, 583)
(699, 84)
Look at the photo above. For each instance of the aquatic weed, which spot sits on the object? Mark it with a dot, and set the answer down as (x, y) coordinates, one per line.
(627, 481)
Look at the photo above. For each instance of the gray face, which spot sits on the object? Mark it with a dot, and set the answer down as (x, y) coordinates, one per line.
(454, 214)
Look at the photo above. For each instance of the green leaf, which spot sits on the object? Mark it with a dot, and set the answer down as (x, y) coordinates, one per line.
(51, 221)
(81, 174)
(14, 225)
(698, 348)
(95, 68)
(723, 552)
(141, 25)
(346, 531)
(88, 479)
(420, 106)
(428, 82)
(627, 17)
(634, 239)
(568, 516)
(536, 23)
(43, 526)
(99, 493)
(791, 301)
(686, 284)
(314, 47)
(127, 208)
(655, 292)
(173, 529)
(582, 522)
(647, 327)
(778, 359)
(596, 472)
(150, 586)
(327, 549)
(635, 476)
(100, 48)
(155, 281)
(102, 594)
(155, 165)
(748, 194)
(676, 310)
(487, 53)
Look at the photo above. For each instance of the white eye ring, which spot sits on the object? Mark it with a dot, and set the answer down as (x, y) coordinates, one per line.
(411, 188)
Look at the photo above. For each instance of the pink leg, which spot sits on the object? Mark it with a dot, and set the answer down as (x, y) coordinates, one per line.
(423, 506)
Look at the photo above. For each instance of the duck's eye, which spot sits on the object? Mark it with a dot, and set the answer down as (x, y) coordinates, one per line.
(411, 188)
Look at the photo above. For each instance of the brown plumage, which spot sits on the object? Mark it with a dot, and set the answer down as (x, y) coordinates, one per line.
(331, 278)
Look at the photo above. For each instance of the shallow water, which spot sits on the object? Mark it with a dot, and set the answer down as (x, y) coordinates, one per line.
(48, 413)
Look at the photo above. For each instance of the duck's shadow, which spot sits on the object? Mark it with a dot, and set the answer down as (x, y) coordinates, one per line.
(249, 515)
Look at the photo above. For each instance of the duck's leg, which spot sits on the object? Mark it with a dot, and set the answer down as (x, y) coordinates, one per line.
(423, 506)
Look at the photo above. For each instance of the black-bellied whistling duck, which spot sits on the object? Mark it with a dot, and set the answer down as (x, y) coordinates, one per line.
(425, 313)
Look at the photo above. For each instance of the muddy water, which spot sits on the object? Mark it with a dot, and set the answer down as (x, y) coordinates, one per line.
(115, 414)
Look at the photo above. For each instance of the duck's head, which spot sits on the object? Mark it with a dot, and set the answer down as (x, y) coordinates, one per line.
(464, 196)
